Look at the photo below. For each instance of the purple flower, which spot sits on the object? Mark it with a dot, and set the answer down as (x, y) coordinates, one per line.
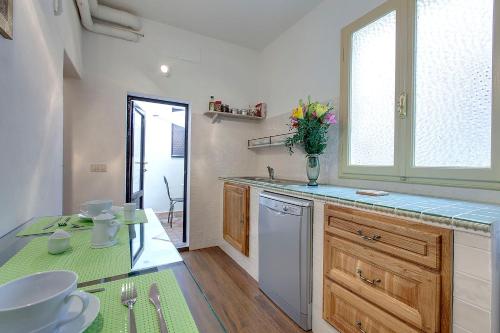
(330, 119)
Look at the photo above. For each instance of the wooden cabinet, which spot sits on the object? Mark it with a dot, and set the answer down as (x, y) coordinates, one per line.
(236, 216)
(381, 269)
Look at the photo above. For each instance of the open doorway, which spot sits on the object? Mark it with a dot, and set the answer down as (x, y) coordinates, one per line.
(157, 150)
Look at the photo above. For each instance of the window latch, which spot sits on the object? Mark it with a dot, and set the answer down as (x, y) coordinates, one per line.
(402, 106)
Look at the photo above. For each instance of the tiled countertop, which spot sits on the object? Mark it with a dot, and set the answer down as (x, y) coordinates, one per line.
(455, 213)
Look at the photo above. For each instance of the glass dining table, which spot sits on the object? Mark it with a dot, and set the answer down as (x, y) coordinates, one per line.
(150, 251)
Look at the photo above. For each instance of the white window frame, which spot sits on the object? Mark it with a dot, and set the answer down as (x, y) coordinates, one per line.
(404, 169)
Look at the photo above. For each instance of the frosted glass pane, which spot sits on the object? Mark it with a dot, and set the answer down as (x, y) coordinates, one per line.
(453, 83)
(372, 97)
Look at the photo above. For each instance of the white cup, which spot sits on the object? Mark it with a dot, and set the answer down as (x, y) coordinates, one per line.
(96, 207)
(129, 211)
(39, 301)
(105, 231)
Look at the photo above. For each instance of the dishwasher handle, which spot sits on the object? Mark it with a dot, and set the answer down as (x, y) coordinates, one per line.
(283, 211)
(281, 207)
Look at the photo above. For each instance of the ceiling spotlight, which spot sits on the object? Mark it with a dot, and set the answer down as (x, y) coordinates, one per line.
(164, 69)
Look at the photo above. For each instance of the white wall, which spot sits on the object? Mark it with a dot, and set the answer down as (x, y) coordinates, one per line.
(200, 67)
(160, 163)
(71, 33)
(305, 60)
(31, 112)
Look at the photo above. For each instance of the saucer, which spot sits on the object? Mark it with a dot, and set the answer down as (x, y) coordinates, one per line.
(81, 323)
(84, 217)
(102, 246)
(88, 317)
(114, 210)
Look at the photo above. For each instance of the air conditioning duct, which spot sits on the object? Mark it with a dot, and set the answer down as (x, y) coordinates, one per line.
(118, 17)
(123, 22)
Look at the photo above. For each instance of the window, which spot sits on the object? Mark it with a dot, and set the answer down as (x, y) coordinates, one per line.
(417, 94)
(373, 61)
(178, 141)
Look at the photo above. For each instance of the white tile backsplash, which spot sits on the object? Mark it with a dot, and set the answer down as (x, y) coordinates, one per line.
(471, 318)
(472, 261)
(473, 240)
(458, 329)
(472, 290)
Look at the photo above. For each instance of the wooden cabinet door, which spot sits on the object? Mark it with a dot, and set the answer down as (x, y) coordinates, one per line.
(236, 216)
(403, 289)
(350, 313)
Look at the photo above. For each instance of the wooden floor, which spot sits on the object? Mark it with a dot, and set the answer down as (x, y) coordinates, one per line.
(235, 295)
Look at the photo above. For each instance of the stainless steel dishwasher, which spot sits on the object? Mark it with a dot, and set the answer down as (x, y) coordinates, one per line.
(285, 254)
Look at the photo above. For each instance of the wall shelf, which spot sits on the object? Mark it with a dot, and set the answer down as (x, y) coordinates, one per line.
(217, 114)
(269, 141)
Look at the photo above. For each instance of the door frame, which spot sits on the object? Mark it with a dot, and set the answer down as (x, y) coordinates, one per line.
(167, 101)
(129, 158)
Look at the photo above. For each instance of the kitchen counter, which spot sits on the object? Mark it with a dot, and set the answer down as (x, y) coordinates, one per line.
(475, 243)
(454, 213)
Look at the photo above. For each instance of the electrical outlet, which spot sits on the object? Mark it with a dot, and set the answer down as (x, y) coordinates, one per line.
(98, 168)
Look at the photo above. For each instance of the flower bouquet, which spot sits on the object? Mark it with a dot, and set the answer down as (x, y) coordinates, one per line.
(311, 120)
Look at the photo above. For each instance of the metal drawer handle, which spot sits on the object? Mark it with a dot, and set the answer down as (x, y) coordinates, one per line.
(360, 326)
(373, 238)
(371, 282)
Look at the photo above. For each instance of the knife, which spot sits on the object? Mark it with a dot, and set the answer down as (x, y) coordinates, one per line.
(154, 297)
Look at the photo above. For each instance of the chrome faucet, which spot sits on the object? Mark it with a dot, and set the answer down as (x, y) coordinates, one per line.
(271, 172)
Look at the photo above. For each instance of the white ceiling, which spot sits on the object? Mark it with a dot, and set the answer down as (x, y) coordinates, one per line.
(249, 23)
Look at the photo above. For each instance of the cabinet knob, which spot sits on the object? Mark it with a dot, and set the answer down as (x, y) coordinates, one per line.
(373, 238)
(359, 325)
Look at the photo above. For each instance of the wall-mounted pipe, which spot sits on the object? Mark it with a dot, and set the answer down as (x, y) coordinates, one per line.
(115, 16)
(89, 24)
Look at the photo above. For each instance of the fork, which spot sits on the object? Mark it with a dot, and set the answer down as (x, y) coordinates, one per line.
(50, 225)
(129, 296)
(65, 223)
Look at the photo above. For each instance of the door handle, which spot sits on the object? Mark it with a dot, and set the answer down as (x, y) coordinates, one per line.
(402, 106)
(373, 238)
(364, 279)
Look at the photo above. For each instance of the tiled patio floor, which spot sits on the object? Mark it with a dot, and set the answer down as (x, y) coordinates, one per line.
(175, 233)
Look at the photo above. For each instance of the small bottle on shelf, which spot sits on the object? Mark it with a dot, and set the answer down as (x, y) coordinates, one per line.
(211, 104)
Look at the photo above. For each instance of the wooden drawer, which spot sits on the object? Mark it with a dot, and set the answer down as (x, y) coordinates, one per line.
(408, 240)
(405, 290)
(352, 314)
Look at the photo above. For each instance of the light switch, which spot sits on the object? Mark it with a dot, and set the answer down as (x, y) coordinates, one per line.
(98, 167)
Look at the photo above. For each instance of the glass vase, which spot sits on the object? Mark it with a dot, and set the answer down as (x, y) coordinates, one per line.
(312, 168)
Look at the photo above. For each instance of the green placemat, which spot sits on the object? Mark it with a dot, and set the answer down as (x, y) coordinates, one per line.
(113, 316)
(140, 217)
(37, 227)
(90, 264)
